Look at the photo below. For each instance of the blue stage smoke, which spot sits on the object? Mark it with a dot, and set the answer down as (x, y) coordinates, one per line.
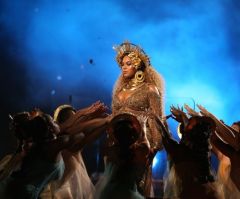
(66, 47)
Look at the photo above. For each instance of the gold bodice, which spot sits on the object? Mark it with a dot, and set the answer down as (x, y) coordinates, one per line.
(142, 101)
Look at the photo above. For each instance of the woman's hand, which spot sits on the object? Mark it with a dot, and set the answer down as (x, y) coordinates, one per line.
(97, 109)
(205, 112)
(190, 111)
(178, 114)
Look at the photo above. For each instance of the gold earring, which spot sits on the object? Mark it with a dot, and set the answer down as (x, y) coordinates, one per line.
(139, 76)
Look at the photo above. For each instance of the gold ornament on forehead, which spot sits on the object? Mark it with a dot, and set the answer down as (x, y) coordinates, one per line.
(136, 61)
(134, 52)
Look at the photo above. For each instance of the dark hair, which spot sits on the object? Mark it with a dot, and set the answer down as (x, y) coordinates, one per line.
(200, 132)
(125, 133)
(41, 127)
(19, 125)
(236, 123)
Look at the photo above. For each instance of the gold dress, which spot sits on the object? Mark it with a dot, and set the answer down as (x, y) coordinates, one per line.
(143, 102)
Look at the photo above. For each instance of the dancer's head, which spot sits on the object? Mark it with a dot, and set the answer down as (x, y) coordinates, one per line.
(35, 125)
(42, 127)
(198, 130)
(236, 126)
(63, 113)
(19, 125)
(125, 129)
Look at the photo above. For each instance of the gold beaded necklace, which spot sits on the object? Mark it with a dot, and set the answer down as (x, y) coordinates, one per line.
(132, 85)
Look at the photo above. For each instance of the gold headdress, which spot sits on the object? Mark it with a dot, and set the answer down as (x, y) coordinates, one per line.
(134, 52)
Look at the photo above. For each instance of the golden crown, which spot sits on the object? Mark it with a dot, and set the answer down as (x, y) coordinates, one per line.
(134, 52)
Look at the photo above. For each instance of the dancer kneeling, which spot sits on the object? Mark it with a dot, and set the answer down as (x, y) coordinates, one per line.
(190, 174)
(76, 182)
(128, 157)
(43, 161)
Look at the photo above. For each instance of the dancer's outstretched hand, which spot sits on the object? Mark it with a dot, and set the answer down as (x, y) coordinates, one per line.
(205, 112)
(97, 109)
(224, 131)
(178, 114)
(190, 111)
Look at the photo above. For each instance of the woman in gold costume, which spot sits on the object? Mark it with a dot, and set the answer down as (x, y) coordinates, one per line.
(139, 91)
